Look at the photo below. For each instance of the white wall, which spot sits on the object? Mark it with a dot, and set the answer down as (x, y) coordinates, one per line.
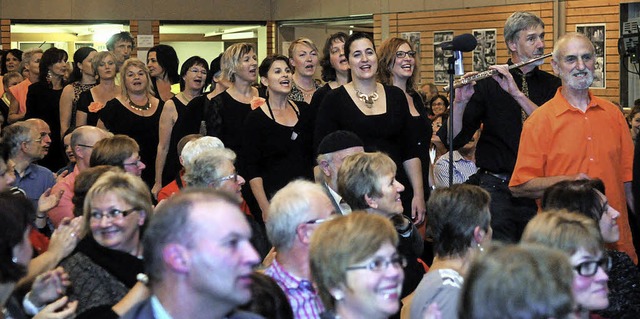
(206, 50)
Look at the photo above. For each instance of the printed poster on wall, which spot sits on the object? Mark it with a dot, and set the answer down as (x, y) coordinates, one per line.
(596, 33)
(414, 39)
(484, 54)
(440, 56)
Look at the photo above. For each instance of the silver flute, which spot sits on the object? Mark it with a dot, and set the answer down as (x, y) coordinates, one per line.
(485, 74)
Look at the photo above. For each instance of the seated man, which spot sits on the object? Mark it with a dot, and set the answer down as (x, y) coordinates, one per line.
(195, 272)
(294, 213)
(464, 164)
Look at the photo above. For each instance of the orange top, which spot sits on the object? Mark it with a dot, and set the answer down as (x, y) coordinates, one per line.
(19, 91)
(558, 139)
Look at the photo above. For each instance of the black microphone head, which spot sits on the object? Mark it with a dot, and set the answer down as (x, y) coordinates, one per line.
(464, 42)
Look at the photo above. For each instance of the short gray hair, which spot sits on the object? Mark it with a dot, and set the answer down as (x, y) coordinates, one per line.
(14, 135)
(204, 169)
(195, 147)
(289, 208)
(567, 37)
(517, 22)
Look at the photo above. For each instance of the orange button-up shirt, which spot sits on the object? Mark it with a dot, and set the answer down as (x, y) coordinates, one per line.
(559, 139)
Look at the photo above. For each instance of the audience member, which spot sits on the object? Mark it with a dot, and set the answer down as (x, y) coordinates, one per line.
(332, 151)
(295, 212)
(518, 282)
(367, 181)
(460, 225)
(267, 298)
(587, 197)
(118, 150)
(464, 164)
(83, 140)
(104, 265)
(356, 267)
(194, 272)
(579, 238)
(585, 137)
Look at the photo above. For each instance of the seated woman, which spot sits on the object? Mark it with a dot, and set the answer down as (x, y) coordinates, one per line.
(579, 238)
(356, 267)
(460, 225)
(15, 253)
(526, 281)
(587, 197)
(367, 181)
(278, 135)
(104, 265)
(119, 150)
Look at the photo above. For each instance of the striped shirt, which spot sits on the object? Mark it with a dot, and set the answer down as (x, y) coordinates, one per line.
(302, 296)
(462, 169)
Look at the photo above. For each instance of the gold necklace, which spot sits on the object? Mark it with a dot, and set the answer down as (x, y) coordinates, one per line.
(140, 108)
(368, 99)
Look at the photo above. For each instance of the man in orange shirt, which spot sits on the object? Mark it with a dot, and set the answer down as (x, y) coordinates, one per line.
(577, 135)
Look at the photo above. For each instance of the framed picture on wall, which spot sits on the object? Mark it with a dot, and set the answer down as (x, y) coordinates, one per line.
(596, 33)
(440, 56)
(484, 54)
(414, 39)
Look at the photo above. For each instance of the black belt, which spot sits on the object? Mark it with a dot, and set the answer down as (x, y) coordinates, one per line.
(502, 176)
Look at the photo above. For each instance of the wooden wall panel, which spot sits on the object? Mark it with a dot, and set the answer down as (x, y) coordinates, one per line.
(464, 20)
(461, 21)
(607, 12)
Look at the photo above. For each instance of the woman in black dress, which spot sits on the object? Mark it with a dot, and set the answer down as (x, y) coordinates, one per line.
(277, 135)
(162, 62)
(335, 67)
(399, 67)
(379, 115)
(43, 102)
(82, 79)
(93, 100)
(136, 113)
(178, 121)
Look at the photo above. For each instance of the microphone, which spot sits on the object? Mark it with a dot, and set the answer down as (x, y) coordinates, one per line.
(463, 43)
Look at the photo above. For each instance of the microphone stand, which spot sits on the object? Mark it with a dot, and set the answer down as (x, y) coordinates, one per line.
(452, 97)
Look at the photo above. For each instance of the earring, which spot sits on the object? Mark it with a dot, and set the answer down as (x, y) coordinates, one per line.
(14, 259)
(49, 76)
(480, 247)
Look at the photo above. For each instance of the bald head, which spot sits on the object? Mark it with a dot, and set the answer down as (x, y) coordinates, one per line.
(82, 140)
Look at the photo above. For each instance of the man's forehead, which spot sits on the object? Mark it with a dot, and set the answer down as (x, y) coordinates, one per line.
(537, 29)
(123, 42)
(219, 214)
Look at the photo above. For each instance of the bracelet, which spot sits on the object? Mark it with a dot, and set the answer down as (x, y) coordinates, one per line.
(143, 278)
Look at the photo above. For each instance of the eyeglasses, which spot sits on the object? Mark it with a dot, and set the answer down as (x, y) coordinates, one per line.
(590, 268)
(136, 163)
(112, 214)
(380, 264)
(320, 220)
(196, 71)
(233, 177)
(85, 145)
(402, 54)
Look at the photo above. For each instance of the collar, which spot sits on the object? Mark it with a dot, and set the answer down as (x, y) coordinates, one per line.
(27, 172)
(288, 280)
(158, 310)
(563, 105)
(333, 193)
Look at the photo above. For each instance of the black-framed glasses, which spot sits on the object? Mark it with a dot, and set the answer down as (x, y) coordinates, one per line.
(85, 145)
(380, 264)
(112, 214)
(402, 54)
(590, 268)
